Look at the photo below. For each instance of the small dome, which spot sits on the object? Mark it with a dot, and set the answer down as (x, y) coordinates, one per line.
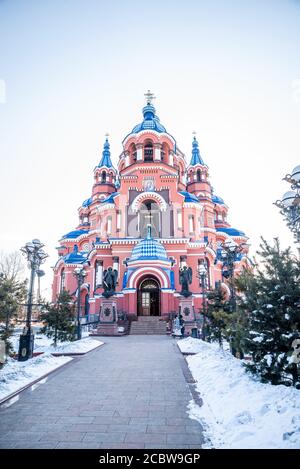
(149, 248)
(188, 197)
(110, 198)
(231, 231)
(87, 202)
(74, 234)
(296, 173)
(217, 200)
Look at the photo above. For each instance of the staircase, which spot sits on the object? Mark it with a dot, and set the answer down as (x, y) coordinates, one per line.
(148, 325)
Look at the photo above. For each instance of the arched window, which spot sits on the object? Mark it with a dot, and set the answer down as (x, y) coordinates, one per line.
(148, 151)
(103, 176)
(86, 304)
(149, 214)
(207, 264)
(62, 280)
(133, 152)
(198, 175)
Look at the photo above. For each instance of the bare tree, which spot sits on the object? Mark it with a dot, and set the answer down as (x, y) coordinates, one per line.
(12, 265)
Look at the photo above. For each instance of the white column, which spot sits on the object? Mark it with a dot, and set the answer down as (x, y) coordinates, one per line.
(139, 153)
(157, 152)
(171, 158)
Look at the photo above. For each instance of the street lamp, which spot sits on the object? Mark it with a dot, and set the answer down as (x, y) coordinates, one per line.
(80, 275)
(35, 255)
(290, 204)
(202, 275)
(229, 255)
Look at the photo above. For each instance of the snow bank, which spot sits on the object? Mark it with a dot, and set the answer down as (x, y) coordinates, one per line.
(238, 410)
(15, 375)
(78, 346)
(44, 344)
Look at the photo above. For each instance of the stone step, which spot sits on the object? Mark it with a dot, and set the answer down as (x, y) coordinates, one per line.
(148, 325)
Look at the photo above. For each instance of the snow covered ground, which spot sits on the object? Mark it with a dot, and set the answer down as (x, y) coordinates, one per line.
(238, 411)
(15, 375)
(44, 344)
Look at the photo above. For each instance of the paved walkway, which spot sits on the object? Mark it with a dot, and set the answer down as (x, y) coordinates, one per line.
(130, 393)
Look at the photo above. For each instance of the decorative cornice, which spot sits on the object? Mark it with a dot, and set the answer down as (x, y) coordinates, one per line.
(148, 131)
(103, 207)
(193, 205)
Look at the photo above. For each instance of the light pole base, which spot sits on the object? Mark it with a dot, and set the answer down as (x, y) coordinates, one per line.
(26, 346)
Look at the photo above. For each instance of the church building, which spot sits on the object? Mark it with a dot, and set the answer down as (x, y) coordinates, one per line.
(145, 221)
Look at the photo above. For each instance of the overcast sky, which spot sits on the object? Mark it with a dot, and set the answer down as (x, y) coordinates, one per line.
(72, 70)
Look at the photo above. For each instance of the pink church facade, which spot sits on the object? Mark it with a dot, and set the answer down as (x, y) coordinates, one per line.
(146, 219)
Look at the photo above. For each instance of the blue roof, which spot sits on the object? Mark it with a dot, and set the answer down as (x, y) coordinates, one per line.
(110, 198)
(76, 257)
(149, 248)
(231, 231)
(217, 200)
(105, 160)
(188, 197)
(87, 202)
(74, 234)
(196, 157)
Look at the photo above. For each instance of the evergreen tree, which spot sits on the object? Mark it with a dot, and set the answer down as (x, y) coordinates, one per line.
(59, 318)
(215, 316)
(12, 294)
(271, 300)
(224, 325)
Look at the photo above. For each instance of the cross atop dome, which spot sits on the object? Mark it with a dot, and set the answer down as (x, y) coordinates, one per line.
(149, 97)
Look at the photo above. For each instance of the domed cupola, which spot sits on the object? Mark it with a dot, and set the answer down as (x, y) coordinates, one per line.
(150, 122)
(149, 248)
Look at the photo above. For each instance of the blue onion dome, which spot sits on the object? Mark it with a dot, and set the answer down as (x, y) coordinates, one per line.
(149, 248)
(150, 122)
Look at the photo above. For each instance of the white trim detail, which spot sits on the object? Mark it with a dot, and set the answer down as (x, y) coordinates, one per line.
(160, 274)
(149, 195)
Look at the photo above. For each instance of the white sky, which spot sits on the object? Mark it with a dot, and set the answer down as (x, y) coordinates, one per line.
(72, 70)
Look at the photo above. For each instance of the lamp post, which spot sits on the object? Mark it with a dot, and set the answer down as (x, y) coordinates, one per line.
(229, 254)
(290, 204)
(80, 275)
(35, 256)
(202, 275)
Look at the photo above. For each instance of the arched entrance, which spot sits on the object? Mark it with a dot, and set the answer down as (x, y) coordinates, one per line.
(148, 297)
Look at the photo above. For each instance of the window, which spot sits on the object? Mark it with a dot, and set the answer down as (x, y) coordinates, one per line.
(62, 280)
(103, 177)
(191, 223)
(198, 175)
(119, 219)
(179, 219)
(148, 151)
(86, 304)
(98, 273)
